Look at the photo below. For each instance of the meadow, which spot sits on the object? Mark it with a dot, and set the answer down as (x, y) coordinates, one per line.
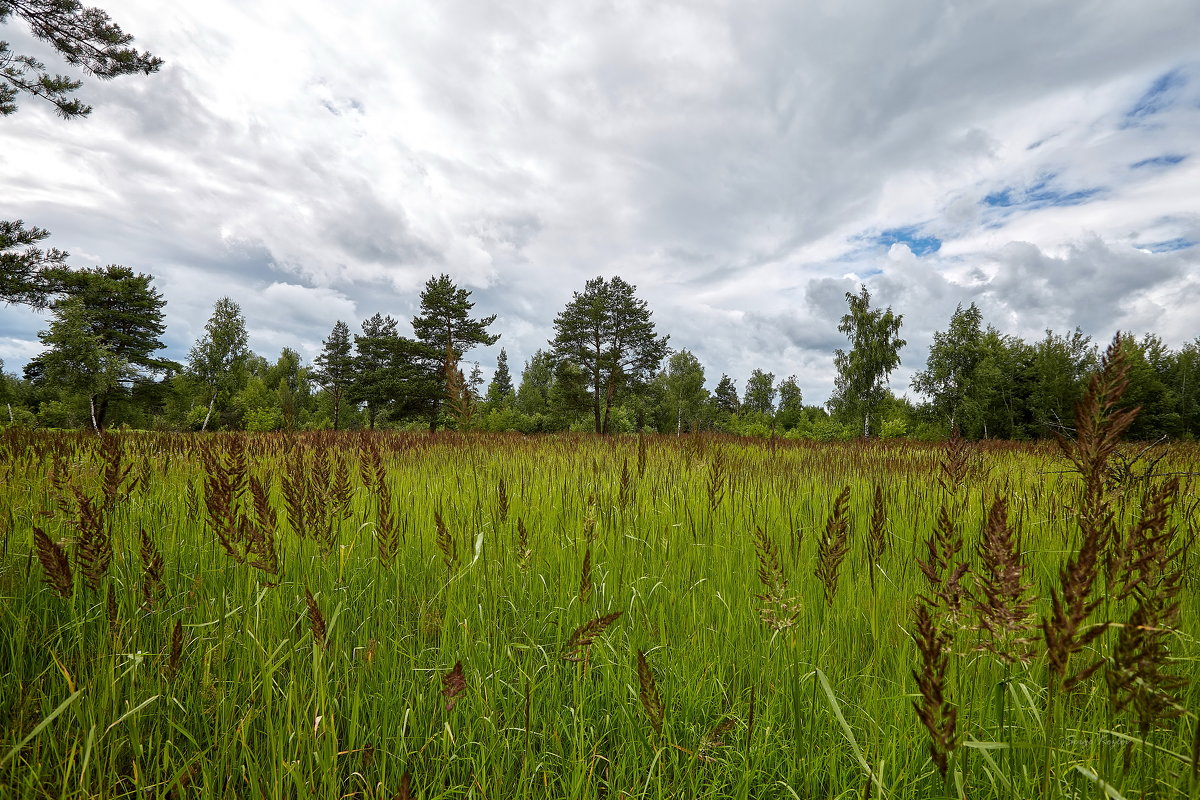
(377, 615)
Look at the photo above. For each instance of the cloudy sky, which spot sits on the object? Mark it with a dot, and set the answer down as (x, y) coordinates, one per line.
(744, 164)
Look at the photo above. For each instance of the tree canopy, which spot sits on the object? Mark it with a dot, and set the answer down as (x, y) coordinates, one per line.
(608, 333)
(874, 352)
(218, 359)
(445, 324)
(335, 366)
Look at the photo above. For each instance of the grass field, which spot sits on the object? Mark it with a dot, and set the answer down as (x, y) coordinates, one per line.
(385, 615)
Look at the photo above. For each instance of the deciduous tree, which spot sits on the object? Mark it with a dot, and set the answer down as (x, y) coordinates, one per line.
(874, 352)
(685, 396)
(760, 391)
(77, 360)
(949, 379)
(217, 361)
(791, 403)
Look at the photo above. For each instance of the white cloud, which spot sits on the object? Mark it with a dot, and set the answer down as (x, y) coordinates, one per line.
(734, 161)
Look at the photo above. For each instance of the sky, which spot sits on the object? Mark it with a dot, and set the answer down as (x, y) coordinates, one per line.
(743, 164)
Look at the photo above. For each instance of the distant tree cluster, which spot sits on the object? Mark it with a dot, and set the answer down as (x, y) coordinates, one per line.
(606, 370)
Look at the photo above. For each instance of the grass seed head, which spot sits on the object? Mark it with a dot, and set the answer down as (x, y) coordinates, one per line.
(649, 695)
(316, 619)
(56, 568)
(454, 685)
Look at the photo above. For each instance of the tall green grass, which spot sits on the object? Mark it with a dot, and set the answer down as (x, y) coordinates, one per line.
(333, 675)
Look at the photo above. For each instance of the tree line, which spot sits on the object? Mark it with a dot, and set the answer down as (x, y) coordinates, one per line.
(606, 369)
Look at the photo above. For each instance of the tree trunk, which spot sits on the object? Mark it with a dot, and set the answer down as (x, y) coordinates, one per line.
(678, 420)
(596, 405)
(608, 398)
(337, 405)
(102, 410)
(92, 408)
(208, 414)
(10, 414)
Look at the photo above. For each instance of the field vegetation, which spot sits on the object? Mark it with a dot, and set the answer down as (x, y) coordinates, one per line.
(382, 614)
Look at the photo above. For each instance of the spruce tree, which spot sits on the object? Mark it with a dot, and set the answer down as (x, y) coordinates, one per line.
(335, 366)
(500, 391)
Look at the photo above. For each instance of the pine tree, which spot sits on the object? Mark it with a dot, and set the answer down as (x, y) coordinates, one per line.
(726, 397)
(88, 39)
(393, 372)
(607, 332)
(445, 324)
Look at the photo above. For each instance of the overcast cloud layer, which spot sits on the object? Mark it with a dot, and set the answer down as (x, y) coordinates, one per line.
(744, 164)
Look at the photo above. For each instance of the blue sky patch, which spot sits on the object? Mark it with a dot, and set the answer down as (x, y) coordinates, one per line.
(919, 245)
(1158, 161)
(1040, 194)
(1158, 98)
(1169, 246)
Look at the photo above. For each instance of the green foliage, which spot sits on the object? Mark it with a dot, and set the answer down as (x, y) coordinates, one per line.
(217, 361)
(759, 395)
(444, 326)
(1149, 363)
(500, 392)
(683, 398)
(1058, 370)
(125, 314)
(393, 373)
(874, 352)
(24, 267)
(607, 332)
(334, 367)
(77, 359)
(949, 379)
(725, 397)
(85, 37)
(791, 403)
(537, 379)
(569, 400)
